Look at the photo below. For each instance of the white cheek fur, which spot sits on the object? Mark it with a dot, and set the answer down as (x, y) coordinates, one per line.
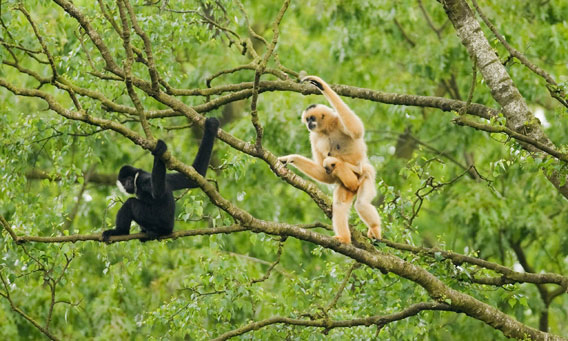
(121, 188)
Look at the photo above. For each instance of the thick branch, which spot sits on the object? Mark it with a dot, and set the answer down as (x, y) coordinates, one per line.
(515, 109)
(457, 259)
(561, 97)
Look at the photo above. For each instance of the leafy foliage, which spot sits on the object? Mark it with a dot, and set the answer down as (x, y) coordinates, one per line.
(202, 286)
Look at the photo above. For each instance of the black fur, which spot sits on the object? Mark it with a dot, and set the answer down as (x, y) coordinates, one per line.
(317, 84)
(310, 107)
(154, 206)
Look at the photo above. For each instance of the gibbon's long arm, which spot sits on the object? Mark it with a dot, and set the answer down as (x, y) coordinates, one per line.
(351, 123)
(308, 167)
(158, 177)
(201, 163)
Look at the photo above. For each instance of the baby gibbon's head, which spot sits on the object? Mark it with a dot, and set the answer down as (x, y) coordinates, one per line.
(329, 164)
(319, 118)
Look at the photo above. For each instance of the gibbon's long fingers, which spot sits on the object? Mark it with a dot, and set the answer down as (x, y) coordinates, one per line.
(311, 169)
(342, 200)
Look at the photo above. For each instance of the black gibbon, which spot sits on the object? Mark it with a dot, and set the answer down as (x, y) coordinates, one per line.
(153, 208)
(338, 133)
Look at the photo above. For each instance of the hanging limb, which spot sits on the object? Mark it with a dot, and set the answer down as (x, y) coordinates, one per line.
(552, 86)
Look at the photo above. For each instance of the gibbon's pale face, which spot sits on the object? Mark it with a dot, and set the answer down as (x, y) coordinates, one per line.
(318, 117)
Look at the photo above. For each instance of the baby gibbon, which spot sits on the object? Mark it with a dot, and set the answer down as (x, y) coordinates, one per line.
(345, 172)
(338, 133)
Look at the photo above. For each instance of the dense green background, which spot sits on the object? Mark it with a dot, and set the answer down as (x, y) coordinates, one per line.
(199, 287)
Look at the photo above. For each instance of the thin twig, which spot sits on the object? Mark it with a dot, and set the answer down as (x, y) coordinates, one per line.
(554, 89)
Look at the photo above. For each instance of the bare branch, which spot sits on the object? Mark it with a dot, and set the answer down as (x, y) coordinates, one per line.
(504, 130)
(269, 270)
(327, 324)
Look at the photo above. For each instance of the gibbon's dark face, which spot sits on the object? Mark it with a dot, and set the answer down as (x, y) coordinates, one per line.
(329, 164)
(318, 117)
(126, 179)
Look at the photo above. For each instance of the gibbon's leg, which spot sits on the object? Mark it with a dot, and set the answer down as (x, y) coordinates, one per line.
(365, 209)
(342, 200)
(351, 122)
(159, 171)
(347, 177)
(124, 218)
(308, 167)
(201, 162)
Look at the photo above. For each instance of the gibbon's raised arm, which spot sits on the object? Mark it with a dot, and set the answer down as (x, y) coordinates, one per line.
(201, 162)
(159, 171)
(351, 123)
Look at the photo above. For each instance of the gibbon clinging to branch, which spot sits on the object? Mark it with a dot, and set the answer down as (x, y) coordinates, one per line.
(339, 134)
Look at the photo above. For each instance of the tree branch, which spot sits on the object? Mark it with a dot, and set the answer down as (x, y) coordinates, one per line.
(457, 259)
(327, 324)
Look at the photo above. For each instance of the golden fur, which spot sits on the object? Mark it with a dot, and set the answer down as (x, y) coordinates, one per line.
(347, 173)
(338, 133)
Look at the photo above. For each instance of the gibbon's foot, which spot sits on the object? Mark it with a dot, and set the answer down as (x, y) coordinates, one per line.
(149, 236)
(211, 124)
(109, 233)
(374, 233)
(314, 80)
(343, 239)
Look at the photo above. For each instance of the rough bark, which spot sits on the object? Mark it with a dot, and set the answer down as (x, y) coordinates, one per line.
(514, 108)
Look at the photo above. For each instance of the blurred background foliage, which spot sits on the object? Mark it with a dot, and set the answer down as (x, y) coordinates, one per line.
(199, 287)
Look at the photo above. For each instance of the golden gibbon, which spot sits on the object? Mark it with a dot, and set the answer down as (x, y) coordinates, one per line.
(337, 135)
